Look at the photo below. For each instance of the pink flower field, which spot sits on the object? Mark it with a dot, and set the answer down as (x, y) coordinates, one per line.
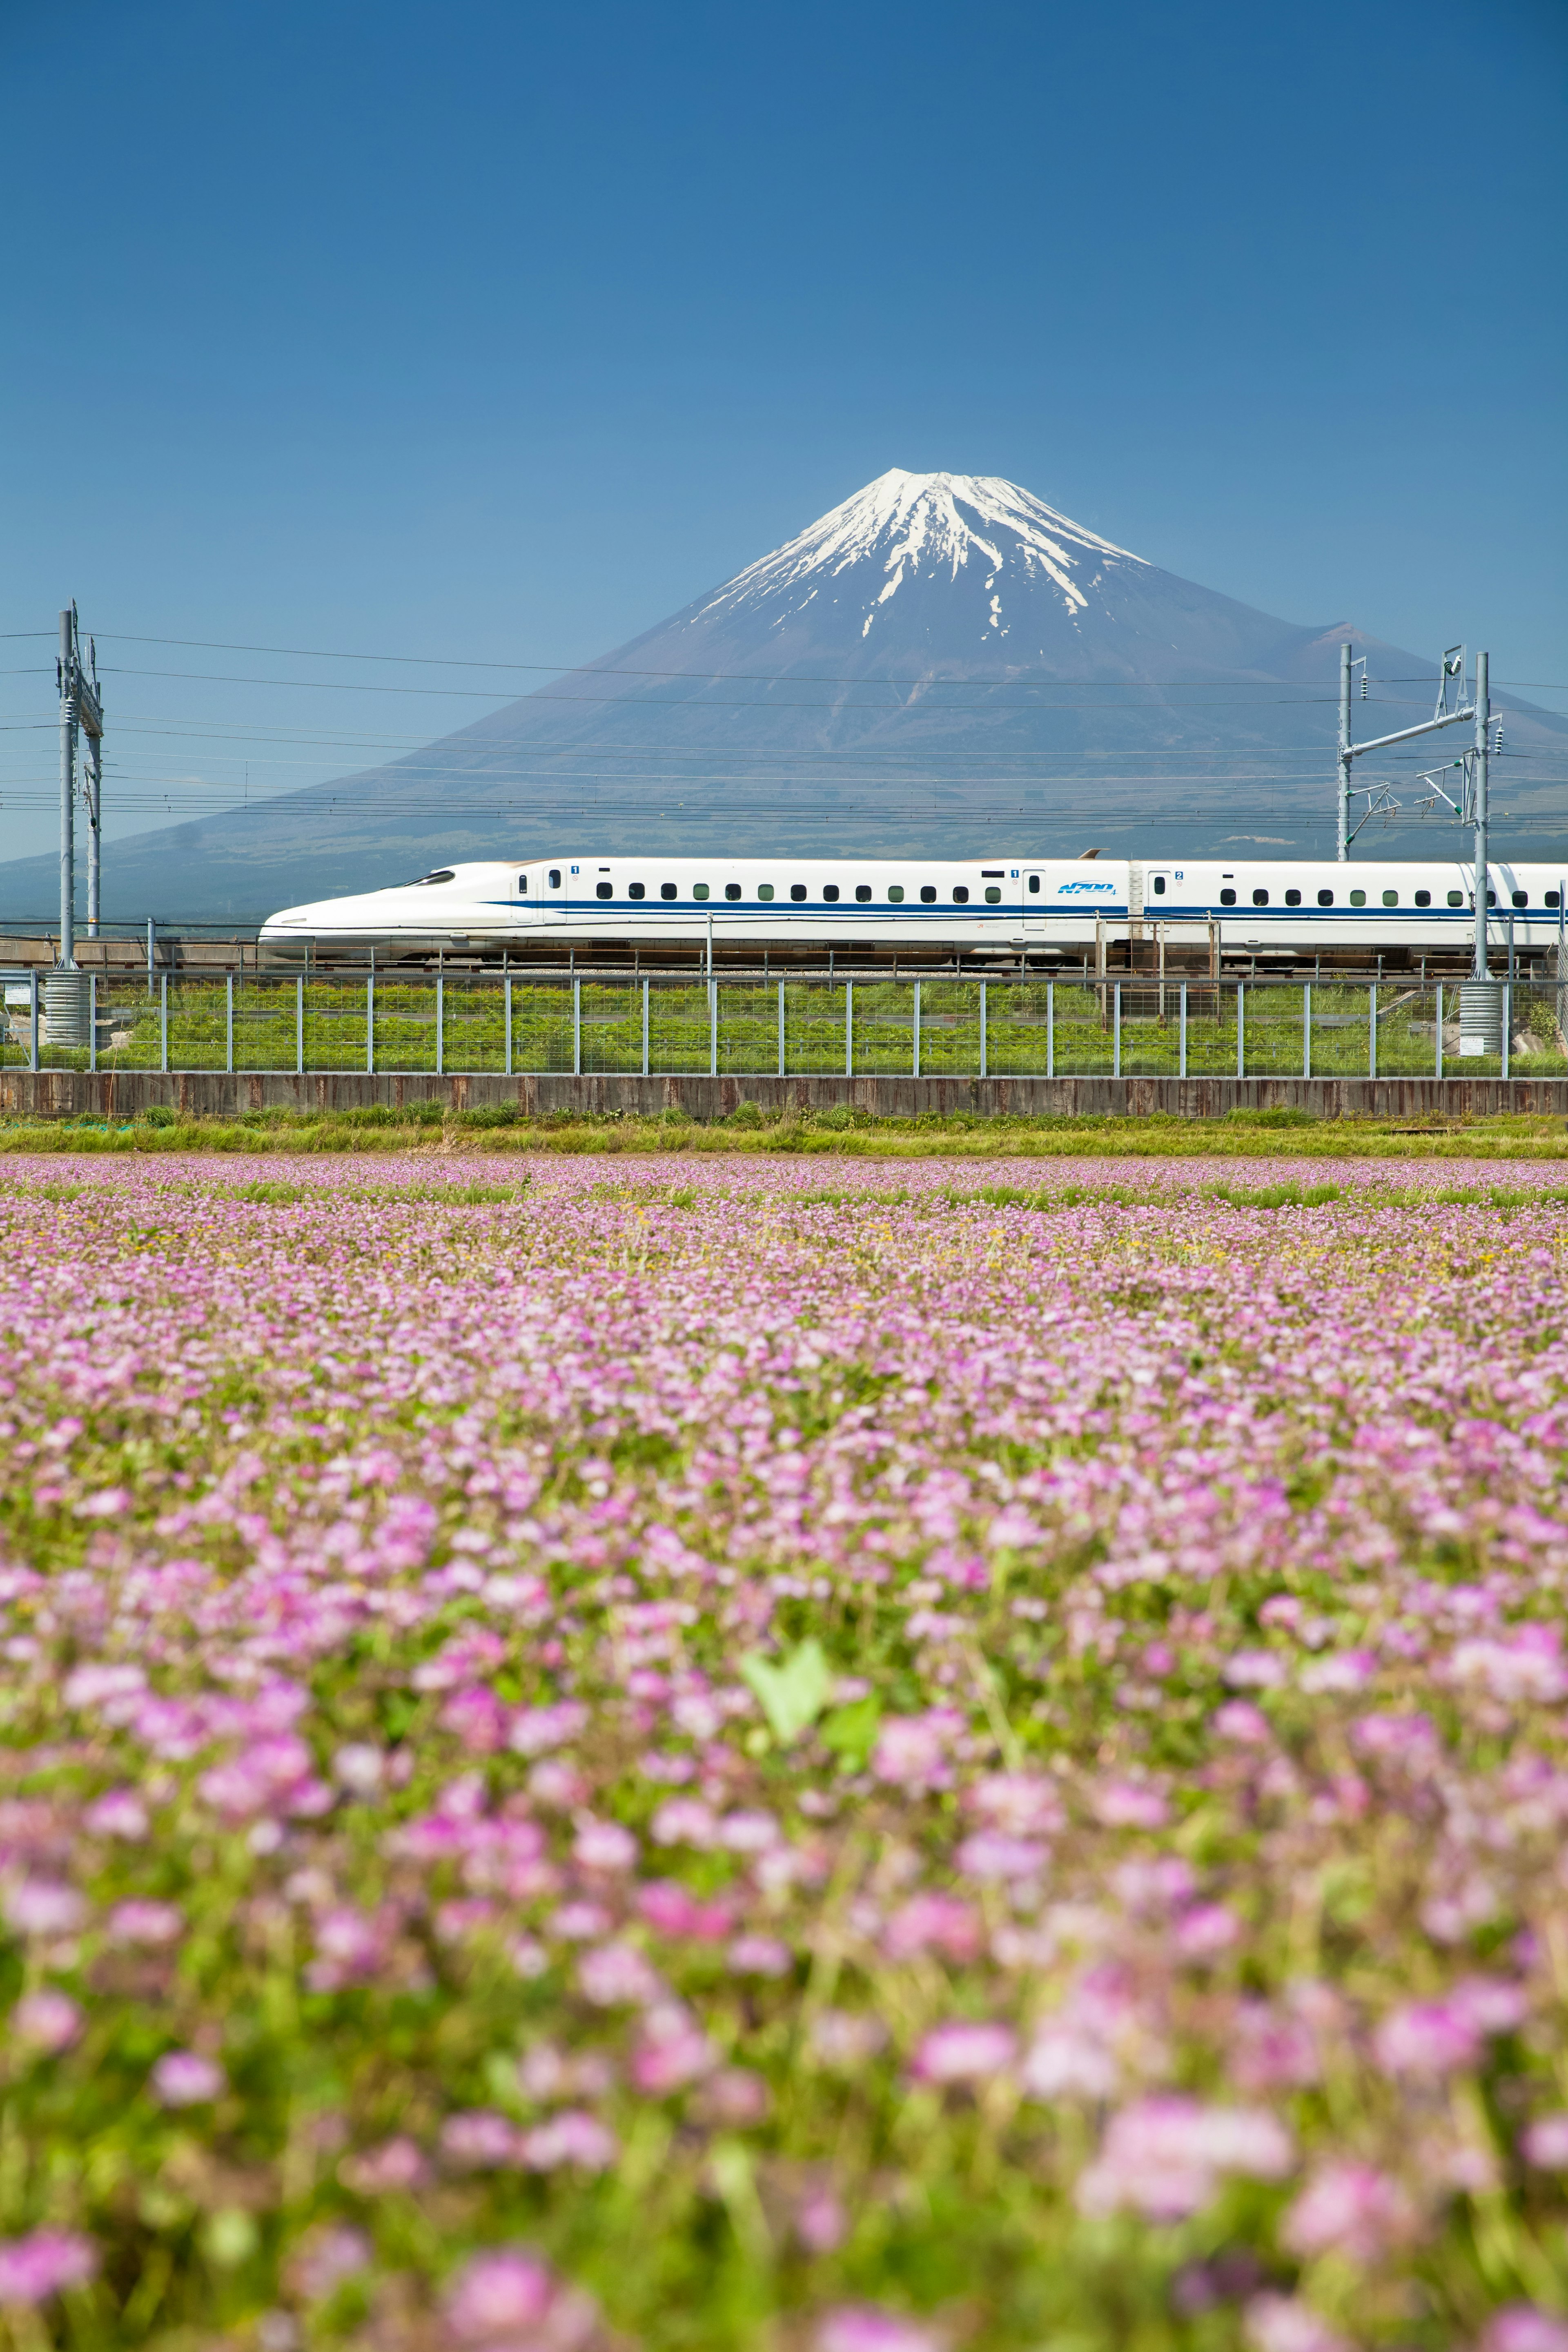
(591, 1759)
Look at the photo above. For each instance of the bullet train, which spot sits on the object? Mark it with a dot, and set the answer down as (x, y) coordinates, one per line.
(1009, 904)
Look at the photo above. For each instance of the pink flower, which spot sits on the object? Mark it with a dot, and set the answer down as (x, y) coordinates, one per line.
(991, 1855)
(1342, 1670)
(912, 1749)
(684, 1821)
(45, 2263)
(604, 1846)
(499, 2296)
(1025, 1804)
(1164, 2155)
(396, 2165)
(1520, 2327)
(860, 2327)
(1238, 1719)
(936, 1923)
(152, 1924)
(571, 2137)
(1352, 2210)
(759, 1956)
(350, 1948)
(616, 1974)
(669, 1910)
(1207, 1930)
(48, 2020)
(119, 1813)
(961, 2053)
(748, 1833)
(735, 2097)
(41, 1906)
(183, 2078)
(1490, 2004)
(1278, 2322)
(845, 2039)
(1129, 1804)
(821, 2223)
(1065, 2060)
(1426, 2038)
(1254, 1670)
(478, 2140)
(1545, 2142)
(477, 1720)
(672, 2051)
(325, 2258)
(537, 1728)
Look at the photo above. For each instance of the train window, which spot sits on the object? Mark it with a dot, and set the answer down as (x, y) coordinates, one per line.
(1326, 898)
(636, 890)
(1456, 897)
(732, 889)
(829, 892)
(960, 895)
(798, 891)
(1159, 884)
(1358, 898)
(1491, 897)
(765, 889)
(927, 894)
(555, 877)
(1521, 898)
(604, 890)
(1423, 897)
(863, 891)
(896, 893)
(1391, 897)
(1228, 898)
(1260, 898)
(666, 889)
(1552, 898)
(1293, 898)
(1034, 886)
(523, 885)
(699, 889)
(993, 896)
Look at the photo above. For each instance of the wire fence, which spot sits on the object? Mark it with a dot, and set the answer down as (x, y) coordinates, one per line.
(516, 1025)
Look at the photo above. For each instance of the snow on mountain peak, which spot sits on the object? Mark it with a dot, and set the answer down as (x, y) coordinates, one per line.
(904, 526)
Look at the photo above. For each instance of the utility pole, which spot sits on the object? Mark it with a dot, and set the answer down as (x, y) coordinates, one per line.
(66, 991)
(1483, 891)
(1343, 850)
(67, 669)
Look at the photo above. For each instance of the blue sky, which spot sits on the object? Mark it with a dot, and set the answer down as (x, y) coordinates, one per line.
(505, 330)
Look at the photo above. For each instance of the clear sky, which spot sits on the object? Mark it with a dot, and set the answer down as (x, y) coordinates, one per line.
(505, 330)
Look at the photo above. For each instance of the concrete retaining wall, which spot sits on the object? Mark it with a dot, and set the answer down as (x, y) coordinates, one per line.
(72, 1094)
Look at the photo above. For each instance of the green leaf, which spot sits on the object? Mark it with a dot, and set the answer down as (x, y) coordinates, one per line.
(792, 1695)
(851, 1731)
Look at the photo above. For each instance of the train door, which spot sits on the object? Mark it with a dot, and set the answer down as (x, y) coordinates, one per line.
(1033, 901)
(552, 894)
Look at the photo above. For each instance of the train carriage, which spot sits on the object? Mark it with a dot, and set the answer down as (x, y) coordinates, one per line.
(1005, 906)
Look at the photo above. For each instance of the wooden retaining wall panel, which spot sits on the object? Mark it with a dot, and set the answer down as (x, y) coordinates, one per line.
(70, 1094)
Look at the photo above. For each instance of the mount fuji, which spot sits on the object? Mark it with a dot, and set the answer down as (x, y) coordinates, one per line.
(943, 664)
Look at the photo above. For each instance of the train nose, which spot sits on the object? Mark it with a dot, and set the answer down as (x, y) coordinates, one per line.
(287, 923)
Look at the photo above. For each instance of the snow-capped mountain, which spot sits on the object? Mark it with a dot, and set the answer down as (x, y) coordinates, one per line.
(974, 538)
(942, 663)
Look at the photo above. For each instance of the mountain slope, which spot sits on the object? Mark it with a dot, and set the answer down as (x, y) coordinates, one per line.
(943, 662)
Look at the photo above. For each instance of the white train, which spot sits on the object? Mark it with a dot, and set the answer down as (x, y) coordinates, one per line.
(1009, 904)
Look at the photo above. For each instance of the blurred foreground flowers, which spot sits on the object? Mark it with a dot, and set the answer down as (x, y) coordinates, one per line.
(861, 1771)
